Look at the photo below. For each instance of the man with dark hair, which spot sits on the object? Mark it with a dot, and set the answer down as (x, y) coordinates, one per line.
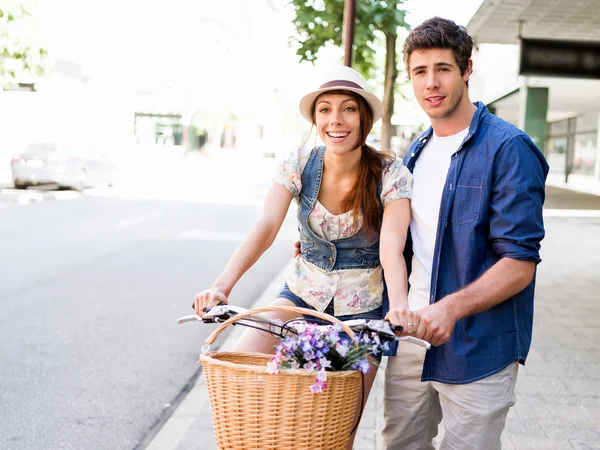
(476, 228)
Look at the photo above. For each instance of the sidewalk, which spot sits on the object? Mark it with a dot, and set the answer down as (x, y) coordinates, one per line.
(558, 391)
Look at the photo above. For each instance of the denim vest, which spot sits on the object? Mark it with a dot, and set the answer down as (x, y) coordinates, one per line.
(355, 252)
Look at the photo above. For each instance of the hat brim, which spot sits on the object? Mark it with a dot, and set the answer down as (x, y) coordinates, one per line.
(306, 102)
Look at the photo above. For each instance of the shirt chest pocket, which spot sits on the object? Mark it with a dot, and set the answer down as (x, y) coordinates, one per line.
(467, 201)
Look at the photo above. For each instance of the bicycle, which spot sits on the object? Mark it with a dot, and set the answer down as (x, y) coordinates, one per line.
(252, 409)
(222, 313)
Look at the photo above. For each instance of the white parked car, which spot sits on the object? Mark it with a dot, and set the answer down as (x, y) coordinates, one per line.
(66, 165)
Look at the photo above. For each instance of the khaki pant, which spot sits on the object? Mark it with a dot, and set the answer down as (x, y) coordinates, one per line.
(474, 413)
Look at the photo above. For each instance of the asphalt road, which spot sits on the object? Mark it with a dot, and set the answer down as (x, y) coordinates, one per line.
(91, 286)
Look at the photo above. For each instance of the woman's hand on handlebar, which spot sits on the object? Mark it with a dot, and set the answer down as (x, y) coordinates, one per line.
(407, 319)
(208, 298)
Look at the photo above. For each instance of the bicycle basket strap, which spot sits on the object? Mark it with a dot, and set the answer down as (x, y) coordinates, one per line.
(309, 312)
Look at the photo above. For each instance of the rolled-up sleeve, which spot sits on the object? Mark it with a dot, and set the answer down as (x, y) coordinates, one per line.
(518, 192)
(289, 169)
(397, 182)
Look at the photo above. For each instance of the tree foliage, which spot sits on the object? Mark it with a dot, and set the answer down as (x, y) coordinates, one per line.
(320, 22)
(16, 55)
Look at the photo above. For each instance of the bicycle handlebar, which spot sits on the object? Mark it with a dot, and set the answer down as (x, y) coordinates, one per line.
(223, 313)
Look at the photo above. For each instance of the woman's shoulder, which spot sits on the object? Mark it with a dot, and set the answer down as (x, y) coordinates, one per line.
(396, 182)
(393, 166)
(290, 165)
(295, 158)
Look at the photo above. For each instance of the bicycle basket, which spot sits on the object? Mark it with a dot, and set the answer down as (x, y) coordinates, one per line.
(253, 409)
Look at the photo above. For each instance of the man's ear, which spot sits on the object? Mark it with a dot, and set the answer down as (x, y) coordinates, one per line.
(468, 70)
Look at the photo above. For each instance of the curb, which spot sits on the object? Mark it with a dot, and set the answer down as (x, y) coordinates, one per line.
(196, 401)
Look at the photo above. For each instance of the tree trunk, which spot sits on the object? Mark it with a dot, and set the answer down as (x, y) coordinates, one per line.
(391, 73)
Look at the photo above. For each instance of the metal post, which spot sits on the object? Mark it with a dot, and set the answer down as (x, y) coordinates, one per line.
(348, 36)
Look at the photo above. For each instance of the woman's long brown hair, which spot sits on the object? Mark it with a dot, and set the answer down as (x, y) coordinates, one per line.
(363, 196)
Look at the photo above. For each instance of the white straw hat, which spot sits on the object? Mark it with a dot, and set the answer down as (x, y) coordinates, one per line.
(348, 79)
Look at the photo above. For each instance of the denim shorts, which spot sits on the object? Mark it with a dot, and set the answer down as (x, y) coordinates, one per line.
(375, 314)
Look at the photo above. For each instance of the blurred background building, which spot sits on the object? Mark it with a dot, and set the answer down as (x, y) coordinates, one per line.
(179, 76)
(561, 111)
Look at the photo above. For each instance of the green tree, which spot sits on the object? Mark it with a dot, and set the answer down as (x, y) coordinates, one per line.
(16, 55)
(319, 22)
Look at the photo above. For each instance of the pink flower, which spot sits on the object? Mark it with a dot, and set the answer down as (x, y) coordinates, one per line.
(316, 387)
(273, 367)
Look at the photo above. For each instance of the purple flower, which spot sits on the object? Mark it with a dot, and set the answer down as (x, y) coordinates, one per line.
(325, 363)
(319, 343)
(362, 365)
(322, 349)
(321, 376)
(334, 334)
(290, 344)
(306, 346)
(365, 339)
(309, 354)
(310, 365)
(316, 387)
(342, 349)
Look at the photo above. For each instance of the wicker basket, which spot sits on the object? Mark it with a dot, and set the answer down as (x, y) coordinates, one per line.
(253, 409)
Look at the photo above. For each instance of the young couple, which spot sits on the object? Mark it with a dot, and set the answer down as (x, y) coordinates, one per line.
(468, 228)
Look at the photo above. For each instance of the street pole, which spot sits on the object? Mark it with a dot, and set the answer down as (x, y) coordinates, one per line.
(348, 37)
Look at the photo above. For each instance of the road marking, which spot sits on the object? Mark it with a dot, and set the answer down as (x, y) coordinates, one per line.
(586, 213)
(286, 234)
(211, 235)
(64, 195)
(136, 220)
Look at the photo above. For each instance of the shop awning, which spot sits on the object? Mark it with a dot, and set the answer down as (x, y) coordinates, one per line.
(501, 21)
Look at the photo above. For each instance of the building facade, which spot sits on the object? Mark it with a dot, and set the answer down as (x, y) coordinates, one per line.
(559, 109)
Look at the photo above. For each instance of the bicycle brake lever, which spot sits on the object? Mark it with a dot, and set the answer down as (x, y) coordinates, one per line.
(384, 328)
(415, 340)
(219, 313)
(191, 318)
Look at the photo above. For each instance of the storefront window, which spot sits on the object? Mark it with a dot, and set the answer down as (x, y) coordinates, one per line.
(558, 128)
(556, 146)
(586, 124)
(572, 144)
(557, 153)
(584, 157)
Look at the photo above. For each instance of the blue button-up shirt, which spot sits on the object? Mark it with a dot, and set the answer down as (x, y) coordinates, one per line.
(491, 208)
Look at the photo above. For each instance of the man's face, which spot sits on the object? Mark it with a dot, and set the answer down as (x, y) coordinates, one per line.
(437, 83)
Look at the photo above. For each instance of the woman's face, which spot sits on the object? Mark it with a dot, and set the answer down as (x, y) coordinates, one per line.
(337, 120)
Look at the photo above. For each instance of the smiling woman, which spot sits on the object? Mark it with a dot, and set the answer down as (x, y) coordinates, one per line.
(352, 201)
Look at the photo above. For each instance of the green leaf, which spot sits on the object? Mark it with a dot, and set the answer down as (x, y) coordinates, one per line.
(14, 50)
(374, 20)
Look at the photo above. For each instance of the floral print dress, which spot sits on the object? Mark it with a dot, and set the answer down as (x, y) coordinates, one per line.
(353, 291)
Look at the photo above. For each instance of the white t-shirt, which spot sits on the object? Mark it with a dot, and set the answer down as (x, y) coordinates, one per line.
(430, 172)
